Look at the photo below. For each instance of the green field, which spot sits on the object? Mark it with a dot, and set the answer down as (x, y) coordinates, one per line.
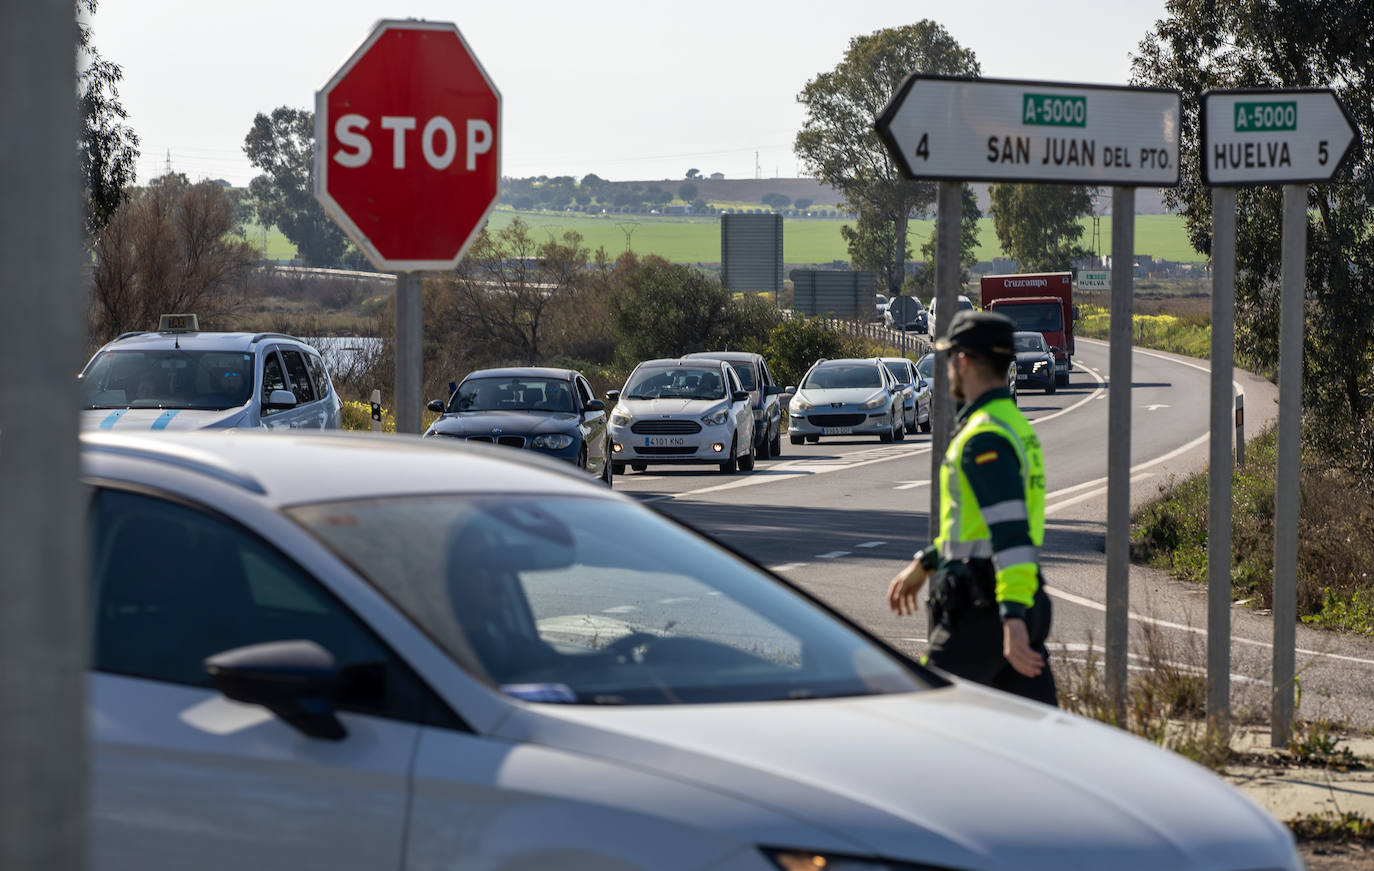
(697, 240)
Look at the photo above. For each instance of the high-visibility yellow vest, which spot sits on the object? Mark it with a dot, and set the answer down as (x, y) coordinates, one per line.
(963, 530)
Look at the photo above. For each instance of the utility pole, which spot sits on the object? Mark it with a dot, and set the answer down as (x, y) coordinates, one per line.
(628, 230)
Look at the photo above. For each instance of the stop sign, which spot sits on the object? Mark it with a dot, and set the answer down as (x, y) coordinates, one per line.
(407, 146)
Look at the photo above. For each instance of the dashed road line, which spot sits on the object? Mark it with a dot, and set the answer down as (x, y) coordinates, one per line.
(676, 600)
(834, 554)
(787, 567)
(871, 544)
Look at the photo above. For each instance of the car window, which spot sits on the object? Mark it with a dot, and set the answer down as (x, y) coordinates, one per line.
(525, 591)
(1029, 342)
(174, 585)
(926, 366)
(767, 374)
(272, 379)
(677, 382)
(844, 377)
(168, 378)
(512, 393)
(898, 371)
(584, 390)
(298, 376)
(318, 375)
(733, 375)
(747, 378)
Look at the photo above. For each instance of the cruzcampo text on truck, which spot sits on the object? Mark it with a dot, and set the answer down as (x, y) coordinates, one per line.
(1039, 302)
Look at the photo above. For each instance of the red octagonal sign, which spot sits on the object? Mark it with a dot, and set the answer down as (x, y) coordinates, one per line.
(407, 146)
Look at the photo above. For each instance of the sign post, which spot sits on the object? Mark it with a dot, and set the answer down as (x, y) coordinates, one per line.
(44, 625)
(407, 162)
(959, 130)
(1292, 138)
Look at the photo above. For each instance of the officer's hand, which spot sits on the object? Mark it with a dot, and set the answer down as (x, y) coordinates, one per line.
(902, 592)
(1017, 650)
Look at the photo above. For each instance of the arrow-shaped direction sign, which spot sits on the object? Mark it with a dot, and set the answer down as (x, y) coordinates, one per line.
(1009, 130)
(1273, 136)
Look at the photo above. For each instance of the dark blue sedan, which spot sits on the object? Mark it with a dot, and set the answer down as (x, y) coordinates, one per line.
(551, 411)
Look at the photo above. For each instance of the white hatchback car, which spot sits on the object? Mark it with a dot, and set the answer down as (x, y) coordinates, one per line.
(355, 652)
(682, 411)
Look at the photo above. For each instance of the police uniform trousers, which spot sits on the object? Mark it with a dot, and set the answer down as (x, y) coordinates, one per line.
(968, 643)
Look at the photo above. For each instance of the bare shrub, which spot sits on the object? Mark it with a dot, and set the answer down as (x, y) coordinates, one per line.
(169, 248)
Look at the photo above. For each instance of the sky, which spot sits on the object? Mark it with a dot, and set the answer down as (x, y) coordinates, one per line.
(627, 90)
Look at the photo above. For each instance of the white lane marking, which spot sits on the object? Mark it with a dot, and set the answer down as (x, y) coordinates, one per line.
(620, 609)
(1167, 359)
(910, 485)
(787, 567)
(794, 469)
(871, 544)
(834, 554)
(1059, 506)
(1100, 392)
(1181, 666)
(676, 600)
(1141, 618)
(1098, 482)
(1155, 407)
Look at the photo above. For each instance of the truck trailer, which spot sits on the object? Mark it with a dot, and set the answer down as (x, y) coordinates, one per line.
(1041, 303)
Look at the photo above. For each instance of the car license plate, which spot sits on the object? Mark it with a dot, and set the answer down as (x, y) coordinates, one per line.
(664, 441)
(1020, 377)
(837, 430)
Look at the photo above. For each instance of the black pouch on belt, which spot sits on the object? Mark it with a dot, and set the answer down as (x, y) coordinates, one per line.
(981, 580)
(949, 589)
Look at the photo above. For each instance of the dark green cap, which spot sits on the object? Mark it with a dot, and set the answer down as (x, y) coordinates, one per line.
(986, 332)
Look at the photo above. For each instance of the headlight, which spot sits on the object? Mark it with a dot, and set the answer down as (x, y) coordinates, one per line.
(1038, 366)
(802, 860)
(876, 402)
(621, 418)
(556, 441)
(717, 417)
(798, 405)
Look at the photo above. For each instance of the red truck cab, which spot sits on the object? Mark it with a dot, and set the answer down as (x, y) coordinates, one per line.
(1040, 303)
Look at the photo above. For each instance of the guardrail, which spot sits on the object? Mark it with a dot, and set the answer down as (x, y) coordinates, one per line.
(903, 343)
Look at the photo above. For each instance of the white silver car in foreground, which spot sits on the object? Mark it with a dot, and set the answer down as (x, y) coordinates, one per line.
(344, 652)
(682, 411)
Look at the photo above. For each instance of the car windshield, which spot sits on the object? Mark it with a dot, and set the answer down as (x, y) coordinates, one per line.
(512, 394)
(168, 378)
(899, 371)
(1030, 342)
(537, 595)
(679, 382)
(843, 377)
(1040, 317)
(926, 366)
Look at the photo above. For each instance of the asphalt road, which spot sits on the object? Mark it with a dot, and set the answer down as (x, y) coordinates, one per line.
(839, 518)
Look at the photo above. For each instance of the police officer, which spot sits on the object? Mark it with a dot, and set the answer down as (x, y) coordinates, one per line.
(989, 612)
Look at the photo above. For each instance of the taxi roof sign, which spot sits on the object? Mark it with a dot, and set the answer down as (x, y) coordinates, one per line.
(184, 323)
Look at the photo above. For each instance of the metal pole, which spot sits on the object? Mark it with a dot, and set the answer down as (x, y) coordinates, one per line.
(1219, 462)
(1286, 489)
(1240, 430)
(408, 345)
(949, 208)
(43, 623)
(1119, 450)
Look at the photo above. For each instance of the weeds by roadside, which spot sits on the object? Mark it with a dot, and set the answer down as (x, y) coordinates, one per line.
(1344, 826)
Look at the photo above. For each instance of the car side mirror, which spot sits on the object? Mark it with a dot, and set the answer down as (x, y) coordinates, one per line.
(790, 390)
(613, 395)
(594, 405)
(436, 406)
(740, 396)
(773, 390)
(279, 399)
(924, 384)
(293, 679)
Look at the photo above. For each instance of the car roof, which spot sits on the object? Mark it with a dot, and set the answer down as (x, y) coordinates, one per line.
(197, 341)
(285, 469)
(727, 356)
(1028, 333)
(848, 361)
(894, 359)
(522, 372)
(674, 362)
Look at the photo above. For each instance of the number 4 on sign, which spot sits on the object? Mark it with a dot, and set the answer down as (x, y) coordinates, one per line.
(923, 147)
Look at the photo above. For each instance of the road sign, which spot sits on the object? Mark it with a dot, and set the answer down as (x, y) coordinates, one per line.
(1089, 279)
(1273, 136)
(1008, 130)
(407, 146)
